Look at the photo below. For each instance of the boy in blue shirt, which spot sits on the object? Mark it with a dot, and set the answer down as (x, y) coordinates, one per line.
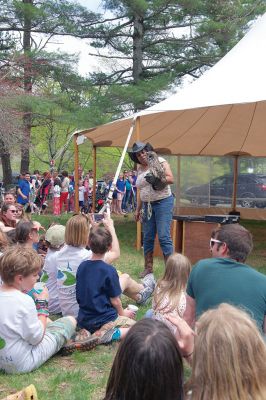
(98, 292)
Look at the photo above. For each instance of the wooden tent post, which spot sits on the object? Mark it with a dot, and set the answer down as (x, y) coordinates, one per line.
(235, 183)
(76, 172)
(138, 198)
(94, 153)
(178, 182)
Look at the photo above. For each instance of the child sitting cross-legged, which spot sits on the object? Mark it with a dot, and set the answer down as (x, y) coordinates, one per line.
(27, 337)
(98, 292)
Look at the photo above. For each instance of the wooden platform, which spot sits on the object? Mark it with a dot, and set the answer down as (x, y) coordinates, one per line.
(190, 238)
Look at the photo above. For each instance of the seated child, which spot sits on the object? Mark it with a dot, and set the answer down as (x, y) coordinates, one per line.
(55, 239)
(170, 292)
(27, 337)
(98, 292)
(69, 257)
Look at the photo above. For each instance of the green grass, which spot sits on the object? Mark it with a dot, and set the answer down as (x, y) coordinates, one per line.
(84, 375)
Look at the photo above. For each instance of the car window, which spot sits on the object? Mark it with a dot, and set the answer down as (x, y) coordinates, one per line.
(244, 179)
(221, 181)
(261, 180)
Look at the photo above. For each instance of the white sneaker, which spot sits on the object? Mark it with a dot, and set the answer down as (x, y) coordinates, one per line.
(149, 281)
(145, 294)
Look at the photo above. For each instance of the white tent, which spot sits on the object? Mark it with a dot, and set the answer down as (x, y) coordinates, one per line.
(221, 113)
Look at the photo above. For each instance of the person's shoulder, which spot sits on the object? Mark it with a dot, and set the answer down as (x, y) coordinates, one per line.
(22, 299)
(204, 262)
(255, 272)
(84, 264)
(108, 267)
(51, 255)
(201, 266)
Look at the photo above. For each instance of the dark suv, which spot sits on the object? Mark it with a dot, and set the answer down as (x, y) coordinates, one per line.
(251, 191)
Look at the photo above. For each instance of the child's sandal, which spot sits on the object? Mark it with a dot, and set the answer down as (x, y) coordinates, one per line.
(80, 345)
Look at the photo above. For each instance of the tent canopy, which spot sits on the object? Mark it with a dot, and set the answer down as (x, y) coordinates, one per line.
(221, 113)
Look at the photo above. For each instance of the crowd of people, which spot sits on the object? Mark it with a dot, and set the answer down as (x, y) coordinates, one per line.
(211, 316)
(35, 192)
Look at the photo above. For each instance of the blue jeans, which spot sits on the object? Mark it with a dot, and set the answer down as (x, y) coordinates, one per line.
(160, 223)
(125, 200)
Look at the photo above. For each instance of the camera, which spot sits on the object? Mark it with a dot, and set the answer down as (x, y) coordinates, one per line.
(98, 217)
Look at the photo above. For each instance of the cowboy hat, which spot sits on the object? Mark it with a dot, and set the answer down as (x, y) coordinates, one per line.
(136, 148)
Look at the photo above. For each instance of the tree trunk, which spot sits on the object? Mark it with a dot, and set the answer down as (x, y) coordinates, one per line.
(25, 145)
(6, 164)
(138, 36)
(25, 148)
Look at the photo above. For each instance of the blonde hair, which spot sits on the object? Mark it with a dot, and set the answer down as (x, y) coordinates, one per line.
(18, 260)
(4, 242)
(229, 358)
(173, 282)
(77, 231)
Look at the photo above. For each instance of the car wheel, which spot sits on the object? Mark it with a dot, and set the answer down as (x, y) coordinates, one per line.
(261, 205)
(247, 200)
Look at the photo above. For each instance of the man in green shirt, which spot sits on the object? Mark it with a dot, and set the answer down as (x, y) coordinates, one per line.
(225, 278)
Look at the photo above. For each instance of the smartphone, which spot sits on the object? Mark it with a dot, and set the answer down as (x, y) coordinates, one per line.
(98, 217)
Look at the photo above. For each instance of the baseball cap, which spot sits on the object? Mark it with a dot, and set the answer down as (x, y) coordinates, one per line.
(55, 235)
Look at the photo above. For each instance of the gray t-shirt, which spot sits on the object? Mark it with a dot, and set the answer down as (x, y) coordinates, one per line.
(147, 193)
(67, 261)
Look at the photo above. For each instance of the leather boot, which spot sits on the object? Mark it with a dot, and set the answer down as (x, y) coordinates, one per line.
(148, 266)
(166, 258)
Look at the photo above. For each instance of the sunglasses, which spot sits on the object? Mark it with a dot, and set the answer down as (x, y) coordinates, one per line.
(13, 211)
(213, 241)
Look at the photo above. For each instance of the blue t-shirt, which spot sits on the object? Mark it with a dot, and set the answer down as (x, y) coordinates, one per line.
(24, 186)
(97, 281)
(121, 184)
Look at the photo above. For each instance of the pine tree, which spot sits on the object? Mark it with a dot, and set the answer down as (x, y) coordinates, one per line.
(151, 45)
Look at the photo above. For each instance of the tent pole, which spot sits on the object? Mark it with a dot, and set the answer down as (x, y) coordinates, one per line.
(235, 183)
(138, 196)
(94, 155)
(108, 202)
(76, 173)
(178, 182)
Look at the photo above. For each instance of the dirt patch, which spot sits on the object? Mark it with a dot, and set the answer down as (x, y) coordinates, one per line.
(65, 362)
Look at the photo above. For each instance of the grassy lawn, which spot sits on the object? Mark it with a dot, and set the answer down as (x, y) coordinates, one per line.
(84, 375)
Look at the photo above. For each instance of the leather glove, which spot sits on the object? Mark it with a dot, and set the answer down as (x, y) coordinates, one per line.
(156, 183)
(150, 178)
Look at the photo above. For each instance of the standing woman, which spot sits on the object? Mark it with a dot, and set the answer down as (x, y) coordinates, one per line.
(155, 206)
(44, 189)
(64, 191)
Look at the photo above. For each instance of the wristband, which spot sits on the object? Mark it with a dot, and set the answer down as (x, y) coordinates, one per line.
(41, 303)
(43, 312)
(42, 307)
